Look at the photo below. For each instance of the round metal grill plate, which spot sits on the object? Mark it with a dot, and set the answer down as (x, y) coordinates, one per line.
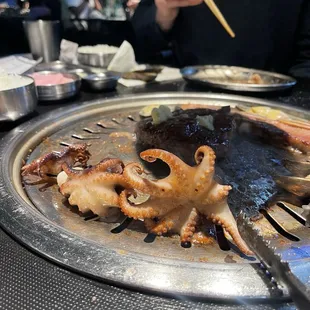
(42, 221)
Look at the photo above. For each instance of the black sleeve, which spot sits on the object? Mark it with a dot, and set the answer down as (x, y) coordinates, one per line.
(149, 37)
(55, 7)
(301, 66)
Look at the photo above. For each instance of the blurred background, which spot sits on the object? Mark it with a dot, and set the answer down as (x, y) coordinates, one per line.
(86, 22)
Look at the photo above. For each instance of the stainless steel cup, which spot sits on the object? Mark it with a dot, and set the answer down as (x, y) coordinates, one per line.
(44, 39)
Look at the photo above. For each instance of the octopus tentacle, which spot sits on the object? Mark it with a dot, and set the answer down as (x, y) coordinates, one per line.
(188, 229)
(220, 214)
(110, 179)
(148, 209)
(161, 227)
(156, 188)
(169, 222)
(178, 169)
(182, 223)
(240, 243)
(110, 165)
(107, 172)
(73, 172)
(204, 171)
(216, 193)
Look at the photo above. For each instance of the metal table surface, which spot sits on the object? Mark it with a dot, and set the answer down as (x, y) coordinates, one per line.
(29, 281)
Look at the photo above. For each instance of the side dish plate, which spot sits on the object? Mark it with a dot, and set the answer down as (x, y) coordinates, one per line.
(237, 78)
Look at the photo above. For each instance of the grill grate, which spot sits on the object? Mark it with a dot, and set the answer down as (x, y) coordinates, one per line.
(122, 251)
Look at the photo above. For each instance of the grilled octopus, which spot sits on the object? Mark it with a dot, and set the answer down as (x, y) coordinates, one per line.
(178, 201)
(175, 203)
(51, 163)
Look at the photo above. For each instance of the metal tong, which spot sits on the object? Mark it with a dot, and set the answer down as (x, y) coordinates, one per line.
(299, 183)
(280, 270)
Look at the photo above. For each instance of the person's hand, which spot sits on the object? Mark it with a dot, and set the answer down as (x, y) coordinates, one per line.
(168, 10)
(132, 4)
(98, 5)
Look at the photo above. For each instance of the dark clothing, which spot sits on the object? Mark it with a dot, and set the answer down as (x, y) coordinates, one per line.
(45, 9)
(270, 34)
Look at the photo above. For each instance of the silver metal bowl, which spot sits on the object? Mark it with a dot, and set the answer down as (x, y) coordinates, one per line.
(57, 65)
(59, 91)
(18, 102)
(95, 59)
(101, 81)
(80, 72)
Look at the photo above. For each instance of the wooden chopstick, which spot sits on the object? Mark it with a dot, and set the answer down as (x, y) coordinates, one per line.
(217, 13)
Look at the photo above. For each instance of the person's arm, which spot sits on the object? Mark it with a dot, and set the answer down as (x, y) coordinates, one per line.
(153, 23)
(168, 10)
(55, 8)
(149, 37)
(98, 5)
(301, 66)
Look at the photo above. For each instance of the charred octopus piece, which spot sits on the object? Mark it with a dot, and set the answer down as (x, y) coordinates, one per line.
(51, 163)
(177, 201)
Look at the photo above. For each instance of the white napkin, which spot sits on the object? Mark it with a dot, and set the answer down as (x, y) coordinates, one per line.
(167, 74)
(124, 60)
(130, 83)
(68, 52)
(17, 64)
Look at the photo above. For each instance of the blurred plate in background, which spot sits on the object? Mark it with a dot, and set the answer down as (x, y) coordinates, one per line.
(237, 78)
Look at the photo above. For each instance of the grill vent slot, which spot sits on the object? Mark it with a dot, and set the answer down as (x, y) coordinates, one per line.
(278, 227)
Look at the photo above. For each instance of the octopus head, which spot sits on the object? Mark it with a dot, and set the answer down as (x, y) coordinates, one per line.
(80, 153)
